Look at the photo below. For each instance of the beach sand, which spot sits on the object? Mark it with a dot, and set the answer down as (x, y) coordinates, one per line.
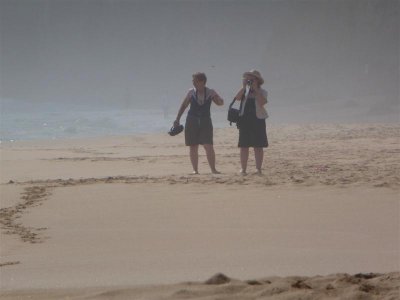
(120, 218)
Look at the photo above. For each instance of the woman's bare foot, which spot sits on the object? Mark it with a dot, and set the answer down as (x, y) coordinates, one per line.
(243, 172)
(194, 173)
(215, 172)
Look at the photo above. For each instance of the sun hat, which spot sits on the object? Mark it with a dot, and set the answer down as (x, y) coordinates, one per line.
(256, 74)
(175, 130)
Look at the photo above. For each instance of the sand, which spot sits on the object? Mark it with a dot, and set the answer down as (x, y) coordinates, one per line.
(120, 218)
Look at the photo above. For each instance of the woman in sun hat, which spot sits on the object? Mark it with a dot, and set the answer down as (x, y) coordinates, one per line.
(198, 125)
(252, 129)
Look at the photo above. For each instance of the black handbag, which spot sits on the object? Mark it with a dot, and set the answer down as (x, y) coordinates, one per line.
(233, 113)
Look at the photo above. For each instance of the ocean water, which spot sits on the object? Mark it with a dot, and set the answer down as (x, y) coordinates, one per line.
(27, 121)
(24, 122)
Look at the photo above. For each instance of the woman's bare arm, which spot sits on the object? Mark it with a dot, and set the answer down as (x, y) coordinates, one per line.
(260, 98)
(184, 105)
(217, 99)
(240, 94)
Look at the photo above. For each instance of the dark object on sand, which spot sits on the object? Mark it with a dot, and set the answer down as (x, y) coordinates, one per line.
(367, 275)
(299, 284)
(218, 279)
(175, 130)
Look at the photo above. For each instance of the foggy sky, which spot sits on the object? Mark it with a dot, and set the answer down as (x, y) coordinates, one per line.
(111, 52)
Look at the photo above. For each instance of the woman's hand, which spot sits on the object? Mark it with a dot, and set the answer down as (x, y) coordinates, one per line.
(254, 86)
(244, 82)
(240, 94)
(176, 123)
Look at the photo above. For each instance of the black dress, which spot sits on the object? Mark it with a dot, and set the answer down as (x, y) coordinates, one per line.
(252, 130)
(198, 126)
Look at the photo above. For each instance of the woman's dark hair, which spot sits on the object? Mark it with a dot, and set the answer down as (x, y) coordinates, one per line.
(200, 77)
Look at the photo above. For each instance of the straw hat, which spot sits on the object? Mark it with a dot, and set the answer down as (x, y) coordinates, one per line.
(256, 74)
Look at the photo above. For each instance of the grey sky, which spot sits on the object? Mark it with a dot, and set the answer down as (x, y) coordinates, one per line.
(107, 51)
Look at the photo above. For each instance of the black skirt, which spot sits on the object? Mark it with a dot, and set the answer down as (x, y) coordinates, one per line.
(198, 131)
(252, 130)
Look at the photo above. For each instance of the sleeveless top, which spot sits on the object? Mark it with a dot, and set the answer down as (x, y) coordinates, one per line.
(200, 110)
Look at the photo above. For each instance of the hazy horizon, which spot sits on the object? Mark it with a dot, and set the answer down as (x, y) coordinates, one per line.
(314, 54)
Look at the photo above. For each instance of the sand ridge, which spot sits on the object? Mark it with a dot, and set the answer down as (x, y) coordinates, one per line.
(336, 286)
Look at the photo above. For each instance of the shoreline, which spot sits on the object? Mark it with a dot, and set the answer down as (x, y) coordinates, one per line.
(270, 125)
(308, 155)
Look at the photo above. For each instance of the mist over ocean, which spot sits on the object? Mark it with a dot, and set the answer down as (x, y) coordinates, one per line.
(24, 121)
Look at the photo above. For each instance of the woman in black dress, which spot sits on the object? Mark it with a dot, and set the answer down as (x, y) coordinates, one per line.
(252, 130)
(198, 125)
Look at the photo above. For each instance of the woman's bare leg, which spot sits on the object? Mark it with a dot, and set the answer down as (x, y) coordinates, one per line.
(259, 156)
(194, 158)
(244, 156)
(211, 157)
